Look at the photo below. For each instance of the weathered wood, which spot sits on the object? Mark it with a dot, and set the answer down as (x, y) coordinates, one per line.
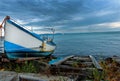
(5, 60)
(96, 64)
(72, 68)
(82, 58)
(30, 78)
(75, 65)
(8, 76)
(26, 59)
(59, 62)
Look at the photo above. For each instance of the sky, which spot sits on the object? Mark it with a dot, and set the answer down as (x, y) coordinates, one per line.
(65, 16)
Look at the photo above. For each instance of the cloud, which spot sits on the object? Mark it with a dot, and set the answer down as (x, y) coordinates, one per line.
(110, 24)
(64, 15)
(103, 13)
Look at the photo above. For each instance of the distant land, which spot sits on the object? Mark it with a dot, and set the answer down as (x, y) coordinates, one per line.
(104, 32)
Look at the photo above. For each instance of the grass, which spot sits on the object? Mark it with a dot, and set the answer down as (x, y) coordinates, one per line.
(111, 70)
(27, 67)
(19, 67)
(99, 75)
(33, 66)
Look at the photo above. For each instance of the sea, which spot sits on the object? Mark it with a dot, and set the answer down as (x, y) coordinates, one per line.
(98, 44)
(105, 44)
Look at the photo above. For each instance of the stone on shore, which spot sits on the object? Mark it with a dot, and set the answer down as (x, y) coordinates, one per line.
(13, 76)
(8, 76)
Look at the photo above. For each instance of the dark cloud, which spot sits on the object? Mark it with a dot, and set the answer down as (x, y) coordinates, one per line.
(64, 15)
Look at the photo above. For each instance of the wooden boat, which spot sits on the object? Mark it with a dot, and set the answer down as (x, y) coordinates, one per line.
(21, 43)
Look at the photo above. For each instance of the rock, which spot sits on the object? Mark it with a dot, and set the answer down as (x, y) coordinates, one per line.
(13, 76)
(8, 76)
(108, 60)
(41, 77)
(30, 78)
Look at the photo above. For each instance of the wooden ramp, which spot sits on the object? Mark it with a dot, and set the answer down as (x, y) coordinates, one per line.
(75, 65)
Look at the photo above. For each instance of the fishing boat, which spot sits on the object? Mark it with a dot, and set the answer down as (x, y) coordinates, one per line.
(22, 43)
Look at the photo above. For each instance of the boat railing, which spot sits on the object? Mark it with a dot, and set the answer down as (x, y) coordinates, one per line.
(22, 25)
(47, 38)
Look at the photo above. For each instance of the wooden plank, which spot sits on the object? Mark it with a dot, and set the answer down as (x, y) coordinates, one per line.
(75, 68)
(30, 78)
(96, 64)
(60, 61)
(26, 59)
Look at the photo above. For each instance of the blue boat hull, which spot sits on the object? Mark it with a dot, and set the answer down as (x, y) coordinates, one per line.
(17, 55)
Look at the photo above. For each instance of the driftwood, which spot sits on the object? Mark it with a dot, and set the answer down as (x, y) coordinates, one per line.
(96, 64)
(58, 63)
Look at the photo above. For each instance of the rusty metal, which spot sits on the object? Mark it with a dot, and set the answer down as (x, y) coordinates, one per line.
(6, 18)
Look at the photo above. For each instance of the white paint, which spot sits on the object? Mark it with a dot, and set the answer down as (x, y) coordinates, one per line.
(19, 37)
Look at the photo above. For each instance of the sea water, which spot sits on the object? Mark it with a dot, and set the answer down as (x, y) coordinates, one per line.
(103, 43)
(97, 44)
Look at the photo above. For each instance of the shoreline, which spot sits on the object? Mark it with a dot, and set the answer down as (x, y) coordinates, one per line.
(77, 67)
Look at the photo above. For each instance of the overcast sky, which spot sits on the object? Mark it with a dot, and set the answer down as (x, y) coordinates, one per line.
(68, 16)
